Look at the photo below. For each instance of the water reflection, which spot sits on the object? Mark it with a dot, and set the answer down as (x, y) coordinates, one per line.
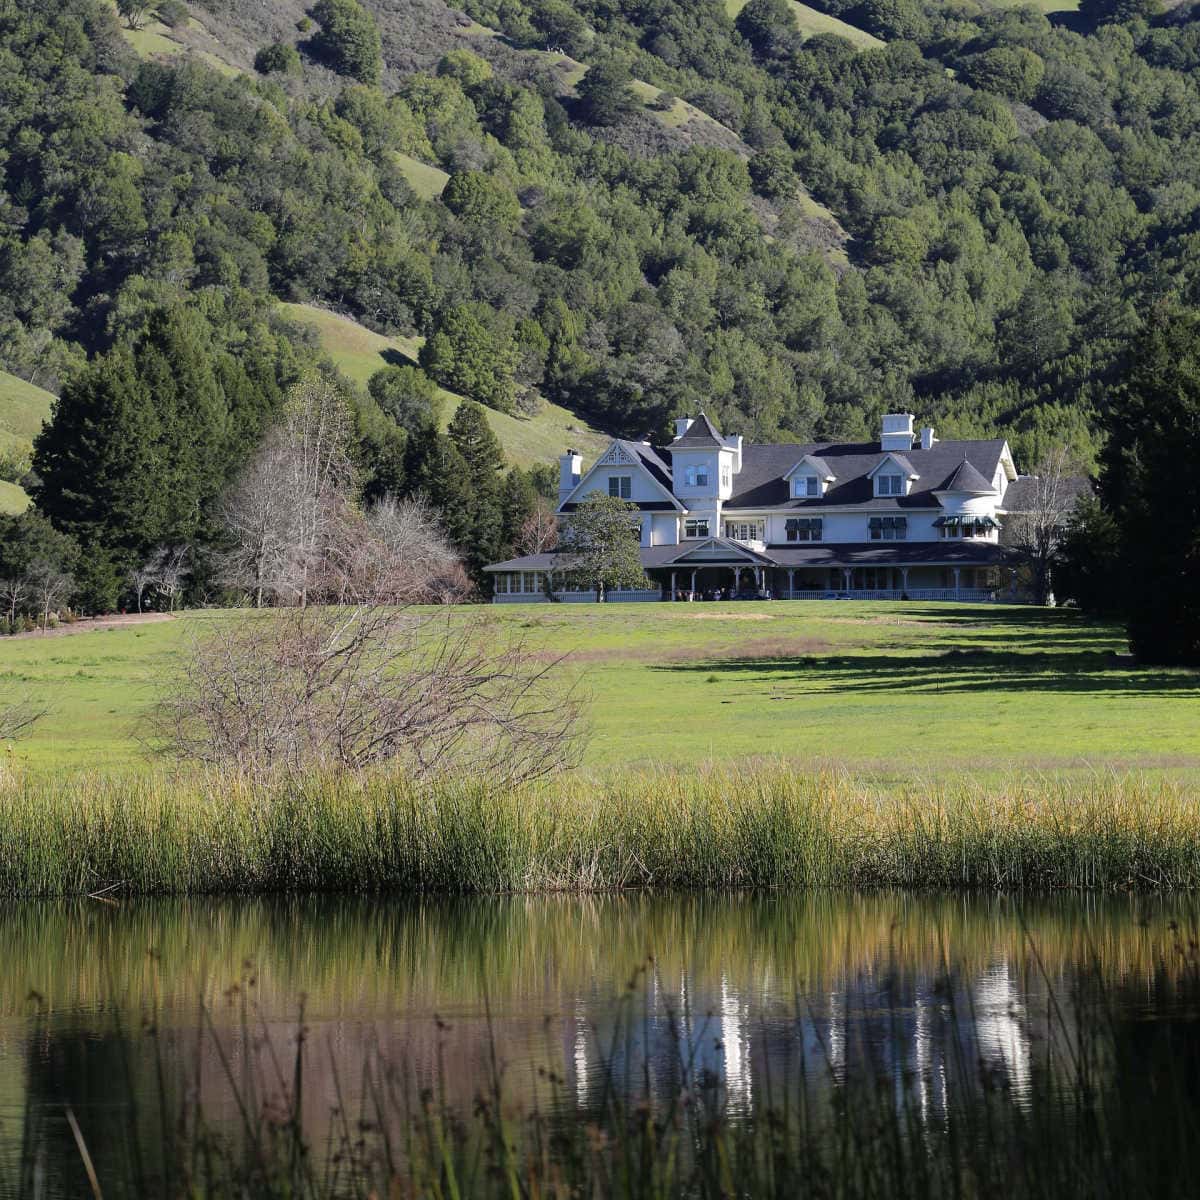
(768, 995)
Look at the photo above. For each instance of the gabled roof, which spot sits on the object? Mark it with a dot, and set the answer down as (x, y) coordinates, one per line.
(718, 550)
(819, 465)
(966, 479)
(762, 481)
(700, 435)
(639, 454)
(892, 456)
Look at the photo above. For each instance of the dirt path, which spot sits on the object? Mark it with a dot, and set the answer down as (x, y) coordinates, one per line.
(99, 624)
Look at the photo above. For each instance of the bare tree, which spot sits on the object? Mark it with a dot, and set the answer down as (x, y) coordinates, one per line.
(539, 530)
(289, 502)
(140, 578)
(171, 568)
(1037, 527)
(50, 586)
(14, 592)
(411, 557)
(366, 686)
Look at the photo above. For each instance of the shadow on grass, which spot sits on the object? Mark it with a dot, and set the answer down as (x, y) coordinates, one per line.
(958, 669)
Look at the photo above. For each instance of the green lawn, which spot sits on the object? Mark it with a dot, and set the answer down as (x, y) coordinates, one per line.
(358, 354)
(893, 689)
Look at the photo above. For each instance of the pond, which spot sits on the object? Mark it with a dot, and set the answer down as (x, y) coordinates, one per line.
(115, 1012)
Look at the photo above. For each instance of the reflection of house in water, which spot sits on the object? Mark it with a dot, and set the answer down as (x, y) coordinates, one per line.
(1000, 1026)
(905, 1027)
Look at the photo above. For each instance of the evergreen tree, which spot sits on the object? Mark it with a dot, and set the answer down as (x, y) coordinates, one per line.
(483, 461)
(99, 462)
(435, 469)
(1150, 487)
(408, 396)
(518, 499)
(605, 95)
(349, 39)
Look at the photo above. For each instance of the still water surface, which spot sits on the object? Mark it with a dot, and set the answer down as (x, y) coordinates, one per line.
(763, 992)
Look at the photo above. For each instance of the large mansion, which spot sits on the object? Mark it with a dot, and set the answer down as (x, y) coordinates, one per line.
(908, 516)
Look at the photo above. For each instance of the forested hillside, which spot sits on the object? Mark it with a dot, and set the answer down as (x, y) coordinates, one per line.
(627, 208)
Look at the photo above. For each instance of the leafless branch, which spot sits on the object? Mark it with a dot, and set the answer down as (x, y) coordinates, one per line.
(16, 719)
(360, 686)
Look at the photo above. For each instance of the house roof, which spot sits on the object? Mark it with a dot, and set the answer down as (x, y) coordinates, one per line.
(900, 461)
(1022, 494)
(699, 435)
(821, 554)
(761, 483)
(966, 479)
(818, 464)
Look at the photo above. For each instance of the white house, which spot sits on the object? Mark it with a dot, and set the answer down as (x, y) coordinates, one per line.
(907, 516)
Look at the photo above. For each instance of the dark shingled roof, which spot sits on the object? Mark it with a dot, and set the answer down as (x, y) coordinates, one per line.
(761, 483)
(700, 433)
(819, 465)
(966, 479)
(822, 554)
(1021, 495)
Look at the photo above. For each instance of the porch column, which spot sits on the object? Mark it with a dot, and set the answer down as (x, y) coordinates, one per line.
(904, 580)
(672, 585)
(791, 583)
(693, 585)
(737, 580)
(847, 576)
(957, 571)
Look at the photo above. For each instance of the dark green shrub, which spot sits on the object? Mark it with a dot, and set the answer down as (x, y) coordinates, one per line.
(278, 58)
(349, 39)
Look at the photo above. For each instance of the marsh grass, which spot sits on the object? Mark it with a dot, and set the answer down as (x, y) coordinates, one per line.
(759, 825)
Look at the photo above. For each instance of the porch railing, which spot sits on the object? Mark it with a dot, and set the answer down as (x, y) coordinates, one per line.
(969, 595)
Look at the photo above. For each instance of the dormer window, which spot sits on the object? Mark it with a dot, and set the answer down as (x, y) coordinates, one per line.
(889, 485)
(806, 486)
(620, 486)
(696, 476)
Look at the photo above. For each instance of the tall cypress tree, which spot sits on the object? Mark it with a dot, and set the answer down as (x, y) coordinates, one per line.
(1149, 485)
(99, 463)
(484, 461)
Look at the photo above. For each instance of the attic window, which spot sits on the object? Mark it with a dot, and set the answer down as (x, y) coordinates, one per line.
(696, 476)
(620, 486)
(889, 485)
(806, 485)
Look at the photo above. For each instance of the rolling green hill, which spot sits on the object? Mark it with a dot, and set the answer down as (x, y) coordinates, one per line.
(810, 22)
(23, 410)
(358, 354)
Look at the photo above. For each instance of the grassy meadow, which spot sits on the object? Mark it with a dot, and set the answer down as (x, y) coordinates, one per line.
(24, 408)
(890, 691)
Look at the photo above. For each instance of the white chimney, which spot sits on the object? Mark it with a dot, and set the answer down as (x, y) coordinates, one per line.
(897, 432)
(682, 425)
(927, 438)
(570, 469)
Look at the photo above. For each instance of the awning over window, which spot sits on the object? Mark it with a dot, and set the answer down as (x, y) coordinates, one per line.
(968, 522)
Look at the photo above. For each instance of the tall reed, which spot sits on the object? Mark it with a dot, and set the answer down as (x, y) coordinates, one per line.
(758, 825)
